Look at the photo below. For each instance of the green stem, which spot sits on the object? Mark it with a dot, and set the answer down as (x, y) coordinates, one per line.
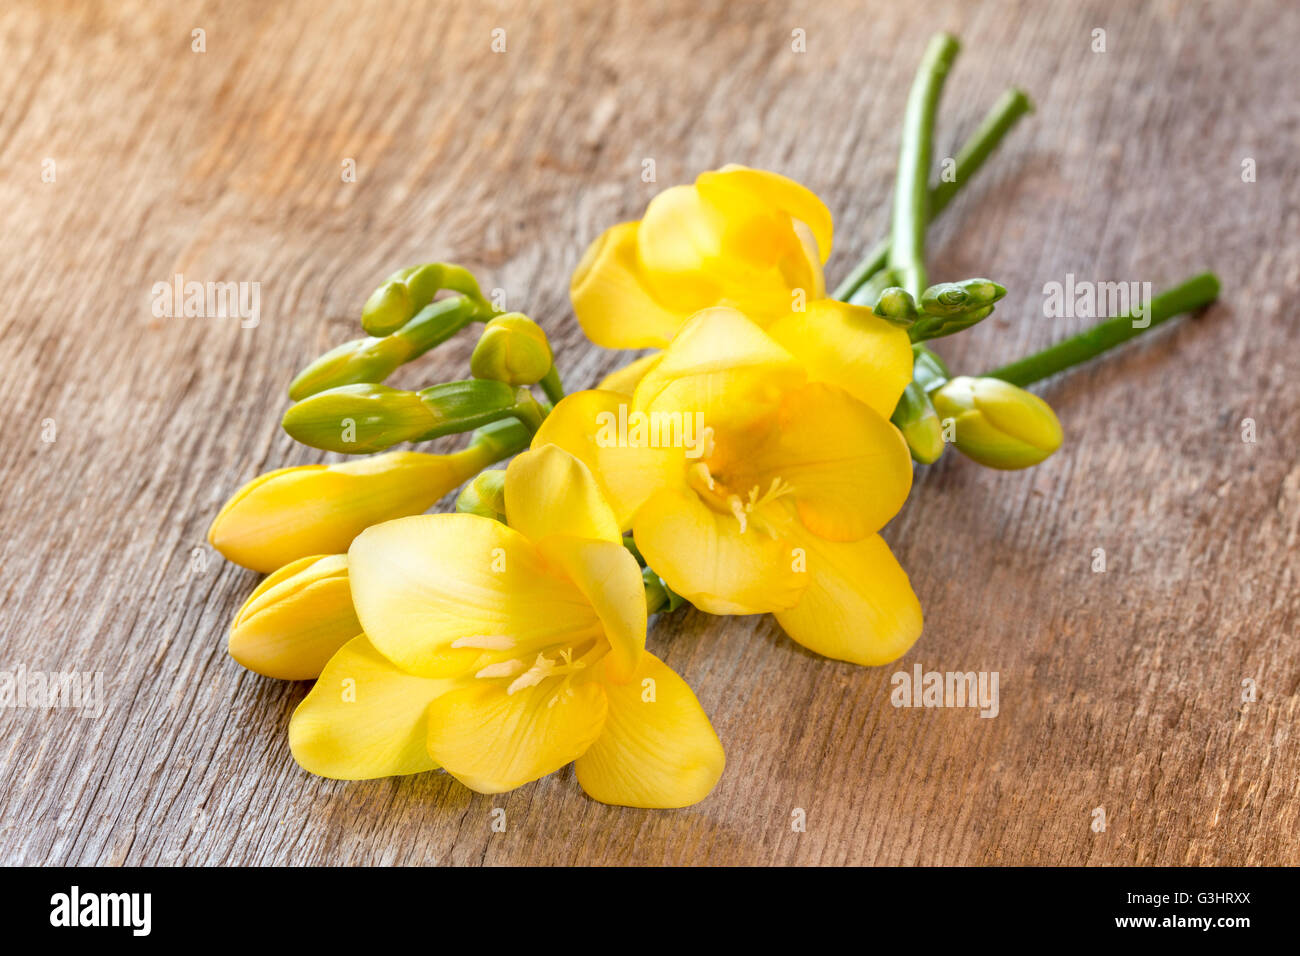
(656, 598)
(1195, 293)
(1012, 105)
(496, 441)
(912, 191)
(529, 411)
(552, 387)
(373, 359)
(436, 323)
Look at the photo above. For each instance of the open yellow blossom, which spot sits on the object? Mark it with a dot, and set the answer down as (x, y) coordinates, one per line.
(294, 513)
(502, 653)
(741, 237)
(755, 478)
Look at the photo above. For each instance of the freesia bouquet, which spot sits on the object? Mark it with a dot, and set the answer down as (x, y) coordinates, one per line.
(746, 465)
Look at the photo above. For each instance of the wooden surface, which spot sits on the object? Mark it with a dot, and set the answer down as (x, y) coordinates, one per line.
(1119, 690)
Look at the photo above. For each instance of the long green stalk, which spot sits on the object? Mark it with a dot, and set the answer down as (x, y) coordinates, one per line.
(912, 191)
(1010, 107)
(1195, 293)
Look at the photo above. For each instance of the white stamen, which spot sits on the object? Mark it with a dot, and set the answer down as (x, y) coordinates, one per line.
(740, 511)
(502, 669)
(540, 670)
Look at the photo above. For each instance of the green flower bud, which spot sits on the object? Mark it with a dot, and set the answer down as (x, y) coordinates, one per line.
(937, 326)
(513, 349)
(485, 495)
(946, 298)
(373, 359)
(953, 306)
(983, 291)
(897, 305)
(952, 298)
(388, 309)
(354, 419)
(998, 424)
(407, 291)
(361, 360)
(359, 418)
(916, 418)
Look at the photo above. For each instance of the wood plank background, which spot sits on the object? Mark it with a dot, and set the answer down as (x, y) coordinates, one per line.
(1119, 690)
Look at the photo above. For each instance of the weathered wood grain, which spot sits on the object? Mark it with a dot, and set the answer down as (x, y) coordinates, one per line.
(1119, 689)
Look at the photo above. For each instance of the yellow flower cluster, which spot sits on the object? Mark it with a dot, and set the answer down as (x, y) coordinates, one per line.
(750, 465)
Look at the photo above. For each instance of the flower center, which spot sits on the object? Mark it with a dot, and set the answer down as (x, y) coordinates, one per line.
(746, 508)
(520, 665)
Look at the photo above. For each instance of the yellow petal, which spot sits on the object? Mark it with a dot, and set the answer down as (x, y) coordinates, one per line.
(296, 619)
(293, 513)
(364, 718)
(859, 605)
(611, 300)
(680, 249)
(705, 557)
(493, 741)
(848, 466)
(433, 591)
(610, 577)
(722, 366)
(658, 749)
(770, 260)
(812, 264)
(779, 192)
(627, 378)
(585, 424)
(728, 240)
(851, 347)
(549, 492)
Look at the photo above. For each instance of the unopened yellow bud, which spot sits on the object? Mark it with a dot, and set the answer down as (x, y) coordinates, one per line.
(512, 349)
(998, 424)
(289, 514)
(296, 619)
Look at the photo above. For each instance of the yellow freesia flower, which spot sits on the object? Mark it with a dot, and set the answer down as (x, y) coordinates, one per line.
(296, 619)
(777, 507)
(294, 513)
(503, 653)
(746, 238)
